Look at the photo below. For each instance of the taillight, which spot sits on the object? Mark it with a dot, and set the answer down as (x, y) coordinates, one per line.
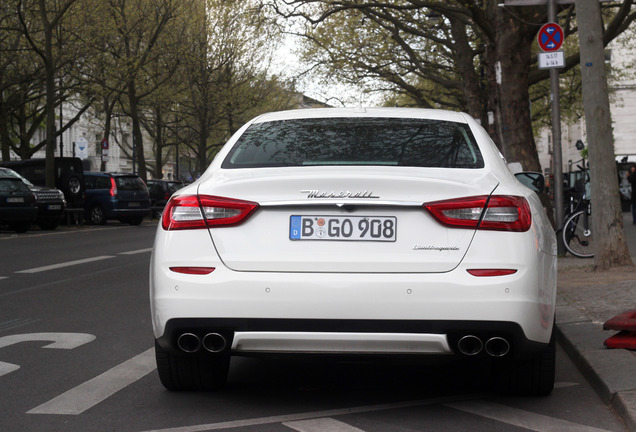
(113, 187)
(491, 272)
(498, 212)
(193, 270)
(203, 211)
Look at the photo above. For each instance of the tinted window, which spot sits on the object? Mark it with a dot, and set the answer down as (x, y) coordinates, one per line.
(12, 185)
(356, 141)
(129, 183)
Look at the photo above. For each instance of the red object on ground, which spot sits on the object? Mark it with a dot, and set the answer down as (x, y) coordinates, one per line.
(624, 321)
(624, 339)
(626, 324)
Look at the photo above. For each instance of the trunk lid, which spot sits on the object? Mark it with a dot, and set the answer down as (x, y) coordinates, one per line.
(368, 220)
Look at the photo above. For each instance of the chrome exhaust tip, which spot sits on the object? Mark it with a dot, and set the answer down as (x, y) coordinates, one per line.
(214, 342)
(189, 342)
(497, 346)
(470, 345)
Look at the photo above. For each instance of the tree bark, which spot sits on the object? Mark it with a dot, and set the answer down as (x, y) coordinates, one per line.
(512, 111)
(607, 221)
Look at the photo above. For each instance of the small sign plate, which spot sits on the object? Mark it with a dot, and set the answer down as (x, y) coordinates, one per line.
(550, 60)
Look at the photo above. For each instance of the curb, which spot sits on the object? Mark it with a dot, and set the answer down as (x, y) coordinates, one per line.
(611, 372)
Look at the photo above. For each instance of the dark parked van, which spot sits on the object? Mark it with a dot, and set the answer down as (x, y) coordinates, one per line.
(115, 196)
(69, 176)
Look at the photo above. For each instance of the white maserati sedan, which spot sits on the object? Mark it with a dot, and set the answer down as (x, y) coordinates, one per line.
(356, 232)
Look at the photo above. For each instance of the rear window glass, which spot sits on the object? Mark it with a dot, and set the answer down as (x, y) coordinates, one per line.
(12, 185)
(356, 141)
(129, 183)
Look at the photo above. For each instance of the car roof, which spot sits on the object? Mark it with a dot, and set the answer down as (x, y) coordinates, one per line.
(108, 174)
(360, 112)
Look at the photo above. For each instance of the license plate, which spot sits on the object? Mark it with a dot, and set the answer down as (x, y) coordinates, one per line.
(347, 228)
(133, 204)
(15, 199)
(54, 207)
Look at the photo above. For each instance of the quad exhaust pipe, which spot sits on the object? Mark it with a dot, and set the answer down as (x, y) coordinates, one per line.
(189, 342)
(211, 342)
(497, 347)
(214, 342)
(471, 345)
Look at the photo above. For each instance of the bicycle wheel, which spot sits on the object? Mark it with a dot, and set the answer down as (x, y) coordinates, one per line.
(577, 235)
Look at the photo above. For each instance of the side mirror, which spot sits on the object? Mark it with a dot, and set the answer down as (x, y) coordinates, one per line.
(533, 180)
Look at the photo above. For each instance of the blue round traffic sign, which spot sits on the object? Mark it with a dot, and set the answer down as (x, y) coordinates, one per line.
(550, 37)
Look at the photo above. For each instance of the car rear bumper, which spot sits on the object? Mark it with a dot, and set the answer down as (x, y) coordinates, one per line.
(299, 312)
(348, 337)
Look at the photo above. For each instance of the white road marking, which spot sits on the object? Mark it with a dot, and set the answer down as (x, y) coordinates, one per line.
(60, 341)
(4, 277)
(521, 418)
(306, 416)
(136, 251)
(6, 368)
(96, 390)
(66, 264)
(321, 425)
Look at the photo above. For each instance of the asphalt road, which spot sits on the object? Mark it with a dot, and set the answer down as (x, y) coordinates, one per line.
(76, 355)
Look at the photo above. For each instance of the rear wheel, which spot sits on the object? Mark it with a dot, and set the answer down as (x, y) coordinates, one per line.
(577, 235)
(529, 377)
(97, 216)
(194, 371)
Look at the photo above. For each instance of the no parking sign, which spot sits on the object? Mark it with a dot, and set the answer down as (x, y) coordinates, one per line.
(550, 37)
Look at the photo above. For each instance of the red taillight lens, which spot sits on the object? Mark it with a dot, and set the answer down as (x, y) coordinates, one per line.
(498, 212)
(203, 211)
(113, 187)
(491, 272)
(193, 270)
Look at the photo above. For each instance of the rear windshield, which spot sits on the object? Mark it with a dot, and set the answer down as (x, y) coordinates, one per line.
(12, 185)
(356, 141)
(130, 183)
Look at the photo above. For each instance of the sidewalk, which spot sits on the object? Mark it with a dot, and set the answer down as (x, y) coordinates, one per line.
(585, 300)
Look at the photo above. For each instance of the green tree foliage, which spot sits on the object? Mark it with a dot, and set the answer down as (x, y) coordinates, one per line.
(473, 56)
(38, 64)
(223, 78)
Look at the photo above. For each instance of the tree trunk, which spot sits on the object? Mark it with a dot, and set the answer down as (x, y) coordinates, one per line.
(512, 111)
(138, 142)
(158, 174)
(49, 70)
(107, 127)
(5, 139)
(607, 221)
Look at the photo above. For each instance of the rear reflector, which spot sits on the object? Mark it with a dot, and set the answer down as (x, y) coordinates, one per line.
(203, 211)
(193, 270)
(491, 272)
(497, 212)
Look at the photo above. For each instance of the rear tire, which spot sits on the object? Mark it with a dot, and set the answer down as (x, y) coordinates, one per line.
(97, 216)
(578, 240)
(195, 371)
(529, 377)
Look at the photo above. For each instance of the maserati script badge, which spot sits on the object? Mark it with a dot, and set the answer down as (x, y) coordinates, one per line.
(314, 193)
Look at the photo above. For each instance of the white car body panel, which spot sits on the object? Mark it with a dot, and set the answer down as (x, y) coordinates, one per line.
(422, 276)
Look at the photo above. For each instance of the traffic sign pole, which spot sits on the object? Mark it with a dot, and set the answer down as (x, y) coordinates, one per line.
(557, 155)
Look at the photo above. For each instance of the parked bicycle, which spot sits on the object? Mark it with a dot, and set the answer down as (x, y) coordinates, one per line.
(577, 230)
